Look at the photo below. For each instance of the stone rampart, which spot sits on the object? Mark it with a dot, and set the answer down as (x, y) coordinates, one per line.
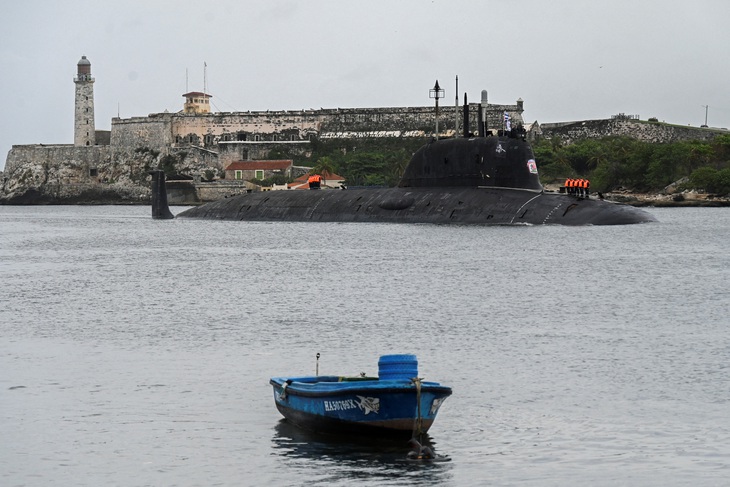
(229, 152)
(153, 133)
(209, 130)
(654, 132)
(45, 164)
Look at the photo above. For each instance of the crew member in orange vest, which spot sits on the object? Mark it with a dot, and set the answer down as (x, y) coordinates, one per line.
(314, 181)
(568, 185)
(579, 184)
(587, 187)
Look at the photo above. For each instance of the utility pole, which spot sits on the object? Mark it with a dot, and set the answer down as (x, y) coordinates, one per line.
(706, 108)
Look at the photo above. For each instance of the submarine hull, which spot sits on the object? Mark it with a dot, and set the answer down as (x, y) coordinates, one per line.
(445, 205)
(471, 180)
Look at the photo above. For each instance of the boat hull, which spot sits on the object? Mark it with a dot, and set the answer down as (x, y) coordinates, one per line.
(362, 407)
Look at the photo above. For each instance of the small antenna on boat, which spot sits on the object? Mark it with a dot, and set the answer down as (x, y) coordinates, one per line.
(316, 370)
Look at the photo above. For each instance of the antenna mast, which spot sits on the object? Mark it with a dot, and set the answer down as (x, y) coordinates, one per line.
(456, 107)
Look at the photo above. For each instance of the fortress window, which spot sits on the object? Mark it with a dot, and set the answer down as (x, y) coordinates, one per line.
(239, 174)
(241, 136)
(257, 138)
(259, 174)
(93, 172)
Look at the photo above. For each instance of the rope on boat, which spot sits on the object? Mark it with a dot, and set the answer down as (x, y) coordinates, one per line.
(420, 451)
(418, 426)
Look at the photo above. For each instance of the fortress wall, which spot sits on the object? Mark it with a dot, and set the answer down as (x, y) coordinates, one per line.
(198, 162)
(153, 132)
(208, 130)
(38, 165)
(242, 151)
(376, 119)
(242, 126)
(192, 193)
(653, 132)
(220, 190)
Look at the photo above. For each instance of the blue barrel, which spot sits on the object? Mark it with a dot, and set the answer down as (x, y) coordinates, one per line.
(397, 367)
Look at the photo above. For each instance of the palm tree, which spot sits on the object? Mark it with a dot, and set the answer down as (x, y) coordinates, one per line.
(324, 166)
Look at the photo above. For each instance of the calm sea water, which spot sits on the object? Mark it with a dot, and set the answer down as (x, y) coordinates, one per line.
(136, 352)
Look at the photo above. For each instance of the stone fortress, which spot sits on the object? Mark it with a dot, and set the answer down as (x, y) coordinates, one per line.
(113, 166)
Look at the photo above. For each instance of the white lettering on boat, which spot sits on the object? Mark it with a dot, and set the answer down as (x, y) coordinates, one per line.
(435, 405)
(340, 405)
(366, 404)
(369, 404)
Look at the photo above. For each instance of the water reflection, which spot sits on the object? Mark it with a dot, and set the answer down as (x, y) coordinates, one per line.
(352, 458)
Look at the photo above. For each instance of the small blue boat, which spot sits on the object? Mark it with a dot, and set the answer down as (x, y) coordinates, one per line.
(396, 403)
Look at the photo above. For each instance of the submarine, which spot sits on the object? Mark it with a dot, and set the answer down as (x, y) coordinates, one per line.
(487, 179)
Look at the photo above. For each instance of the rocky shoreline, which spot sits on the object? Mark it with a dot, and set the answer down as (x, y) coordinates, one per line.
(79, 195)
(678, 200)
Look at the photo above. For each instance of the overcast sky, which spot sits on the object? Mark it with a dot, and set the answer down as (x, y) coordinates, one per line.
(567, 59)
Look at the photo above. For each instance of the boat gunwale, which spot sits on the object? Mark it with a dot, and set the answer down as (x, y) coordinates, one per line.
(329, 388)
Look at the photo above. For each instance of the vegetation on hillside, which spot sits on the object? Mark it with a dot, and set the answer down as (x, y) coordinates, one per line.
(609, 163)
(375, 162)
(615, 162)
(362, 162)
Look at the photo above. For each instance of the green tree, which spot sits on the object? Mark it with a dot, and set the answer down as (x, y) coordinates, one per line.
(324, 165)
(710, 180)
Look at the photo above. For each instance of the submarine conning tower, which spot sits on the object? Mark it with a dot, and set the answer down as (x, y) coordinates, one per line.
(491, 161)
(505, 160)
